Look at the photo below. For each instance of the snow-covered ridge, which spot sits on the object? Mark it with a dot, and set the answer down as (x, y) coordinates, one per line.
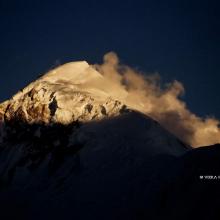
(63, 95)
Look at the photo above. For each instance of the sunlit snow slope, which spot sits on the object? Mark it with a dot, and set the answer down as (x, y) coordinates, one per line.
(63, 95)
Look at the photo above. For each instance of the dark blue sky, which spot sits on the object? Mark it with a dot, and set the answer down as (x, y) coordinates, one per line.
(178, 39)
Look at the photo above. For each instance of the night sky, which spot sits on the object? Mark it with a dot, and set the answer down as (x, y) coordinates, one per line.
(178, 39)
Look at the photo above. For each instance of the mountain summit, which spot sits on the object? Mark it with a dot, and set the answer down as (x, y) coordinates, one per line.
(63, 95)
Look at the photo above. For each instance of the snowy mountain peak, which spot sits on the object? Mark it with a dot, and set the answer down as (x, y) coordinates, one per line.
(63, 95)
(55, 148)
(75, 72)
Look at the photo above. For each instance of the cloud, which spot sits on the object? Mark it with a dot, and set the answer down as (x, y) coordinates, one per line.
(144, 93)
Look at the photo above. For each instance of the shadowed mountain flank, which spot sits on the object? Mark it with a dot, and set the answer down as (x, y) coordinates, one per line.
(127, 166)
(57, 141)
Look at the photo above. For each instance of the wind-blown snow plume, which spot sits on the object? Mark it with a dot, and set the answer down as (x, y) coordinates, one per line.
(145, 94)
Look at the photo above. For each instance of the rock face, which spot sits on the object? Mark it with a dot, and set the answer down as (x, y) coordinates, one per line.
(62, 96)
(43, 105)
